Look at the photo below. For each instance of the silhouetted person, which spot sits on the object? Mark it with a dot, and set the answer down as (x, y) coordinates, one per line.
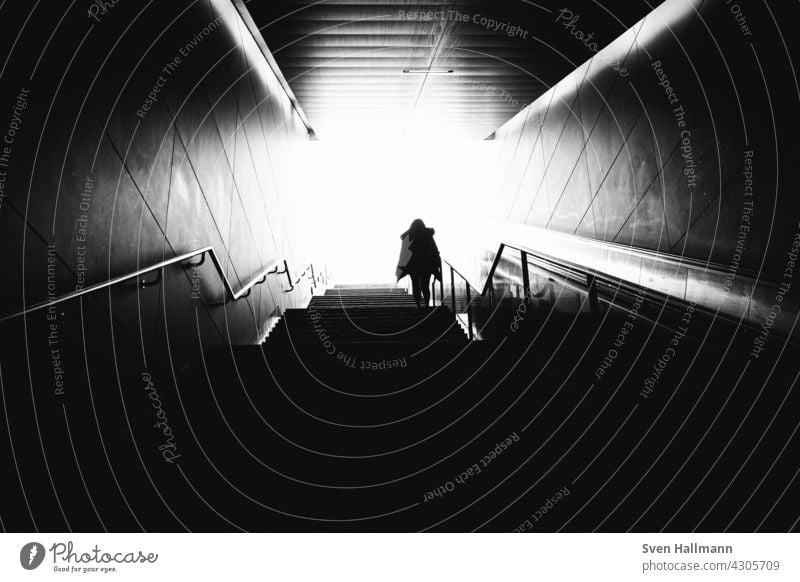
(424, 260)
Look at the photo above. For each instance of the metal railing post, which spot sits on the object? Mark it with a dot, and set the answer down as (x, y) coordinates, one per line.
(526, 278)
(594, 301)
(469, 312)
(453, 290)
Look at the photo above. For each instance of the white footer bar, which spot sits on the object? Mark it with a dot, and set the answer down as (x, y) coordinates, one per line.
(400, 557)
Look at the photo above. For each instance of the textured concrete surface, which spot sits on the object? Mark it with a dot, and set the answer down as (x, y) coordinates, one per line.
(601, 155)
(146, 142)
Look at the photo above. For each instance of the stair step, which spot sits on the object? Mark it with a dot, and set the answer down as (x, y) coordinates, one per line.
(384, 317)
(367, 286)
(366, 299)
(364, 293)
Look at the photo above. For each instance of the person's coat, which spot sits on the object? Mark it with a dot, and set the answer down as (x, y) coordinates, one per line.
(419, 255)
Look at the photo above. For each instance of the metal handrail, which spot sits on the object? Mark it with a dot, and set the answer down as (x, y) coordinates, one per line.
(304, 273)
(585, 280)
(276, 271)
(453, 273)
(454, 270)
(589, 278)
(232, 295)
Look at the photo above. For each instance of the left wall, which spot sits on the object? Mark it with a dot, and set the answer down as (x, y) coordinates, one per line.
(97, 182)
(148, 131)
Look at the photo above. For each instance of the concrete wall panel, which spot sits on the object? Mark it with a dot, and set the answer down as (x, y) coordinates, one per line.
(658, 163)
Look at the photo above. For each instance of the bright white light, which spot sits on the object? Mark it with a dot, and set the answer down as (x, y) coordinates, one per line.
(361, 196)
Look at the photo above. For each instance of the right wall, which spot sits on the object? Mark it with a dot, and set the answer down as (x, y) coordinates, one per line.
(677, 152)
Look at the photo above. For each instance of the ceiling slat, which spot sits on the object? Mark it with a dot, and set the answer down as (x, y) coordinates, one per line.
(344, 59)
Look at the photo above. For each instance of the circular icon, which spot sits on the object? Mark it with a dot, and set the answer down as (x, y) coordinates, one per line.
(31, 555)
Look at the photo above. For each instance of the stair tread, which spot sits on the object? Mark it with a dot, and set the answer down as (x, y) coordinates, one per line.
(366, 315)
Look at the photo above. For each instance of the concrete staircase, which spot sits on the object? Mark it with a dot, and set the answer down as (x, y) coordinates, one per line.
(365, 413)
(367, 315)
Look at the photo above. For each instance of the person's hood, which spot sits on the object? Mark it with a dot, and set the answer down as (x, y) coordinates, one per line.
(430, 231)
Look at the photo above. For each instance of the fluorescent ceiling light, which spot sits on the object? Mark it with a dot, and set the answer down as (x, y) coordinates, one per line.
(427, 71)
